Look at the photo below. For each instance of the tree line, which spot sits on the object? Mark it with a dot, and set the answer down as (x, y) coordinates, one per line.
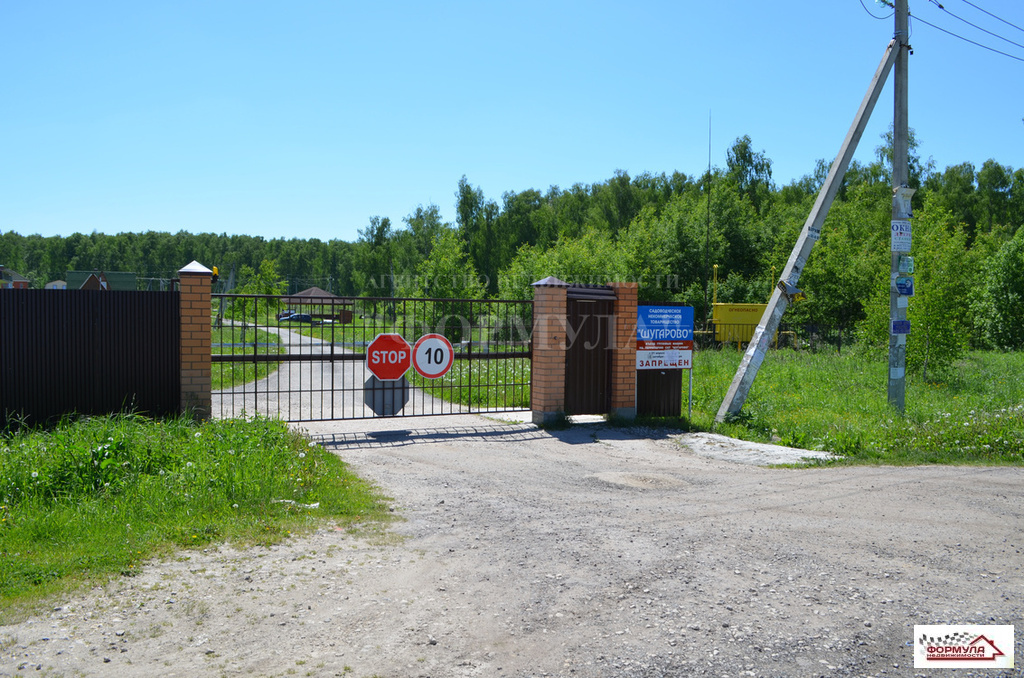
(665, 232)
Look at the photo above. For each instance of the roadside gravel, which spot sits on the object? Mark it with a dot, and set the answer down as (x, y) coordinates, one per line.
(593, 551)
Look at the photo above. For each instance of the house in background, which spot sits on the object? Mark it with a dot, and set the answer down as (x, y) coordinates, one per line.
(101, 280)
(56, 285)
(12, 281)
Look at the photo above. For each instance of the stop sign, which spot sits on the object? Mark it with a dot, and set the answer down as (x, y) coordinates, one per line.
(388, 356)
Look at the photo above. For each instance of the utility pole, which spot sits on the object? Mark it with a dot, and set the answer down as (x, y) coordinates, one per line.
(901, 214)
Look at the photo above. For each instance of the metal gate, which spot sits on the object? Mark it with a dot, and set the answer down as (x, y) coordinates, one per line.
(588, 355)
(303, 357)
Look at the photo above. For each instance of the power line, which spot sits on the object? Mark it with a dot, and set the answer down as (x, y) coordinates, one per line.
(872, 14)
(973, 25)
(994, 16)
(976, 44)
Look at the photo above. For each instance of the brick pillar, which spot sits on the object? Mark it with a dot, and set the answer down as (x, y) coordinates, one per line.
(624, 351)
(547, 391)
(194, 283)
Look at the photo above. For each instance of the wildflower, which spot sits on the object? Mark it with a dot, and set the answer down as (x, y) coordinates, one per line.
(302, 455)
(312, 444)
(35, 474)
(188, 464)
(198, 434)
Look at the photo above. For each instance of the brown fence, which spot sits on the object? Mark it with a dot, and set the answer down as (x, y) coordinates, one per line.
(87, 352)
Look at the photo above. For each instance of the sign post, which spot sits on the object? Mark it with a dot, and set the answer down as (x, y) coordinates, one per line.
(664, 341)
(388, 358)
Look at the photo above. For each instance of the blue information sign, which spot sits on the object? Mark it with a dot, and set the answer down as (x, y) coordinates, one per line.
(664, 337)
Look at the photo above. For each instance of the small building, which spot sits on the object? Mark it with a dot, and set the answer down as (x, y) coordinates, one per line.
(114, 280)
(56, 285)
(321, 304)
(10, 280)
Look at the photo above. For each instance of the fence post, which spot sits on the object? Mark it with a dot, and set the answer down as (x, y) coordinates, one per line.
(623, 384)
(194, 285)
(547, 390)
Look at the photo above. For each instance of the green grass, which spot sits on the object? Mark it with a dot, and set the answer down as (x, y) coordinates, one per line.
(503, 383)
(94, 499)
(823, 401)
(229, 339)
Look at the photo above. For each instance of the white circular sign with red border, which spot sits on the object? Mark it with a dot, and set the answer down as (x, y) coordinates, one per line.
(433, 356)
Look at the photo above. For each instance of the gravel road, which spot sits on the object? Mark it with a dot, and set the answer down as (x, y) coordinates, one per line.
(593, 551)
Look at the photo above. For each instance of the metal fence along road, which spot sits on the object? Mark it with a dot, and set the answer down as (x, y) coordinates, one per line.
(303, 357)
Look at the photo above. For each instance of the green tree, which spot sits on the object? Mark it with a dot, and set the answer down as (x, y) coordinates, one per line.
(374, 261)
(449, 274)
(1004, 295)
(253, 308)
(751, 171)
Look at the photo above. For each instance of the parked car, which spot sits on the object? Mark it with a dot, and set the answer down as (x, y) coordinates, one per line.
(285, 314)
(301, 318)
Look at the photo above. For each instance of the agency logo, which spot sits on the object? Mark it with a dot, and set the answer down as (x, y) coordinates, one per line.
(961, 646)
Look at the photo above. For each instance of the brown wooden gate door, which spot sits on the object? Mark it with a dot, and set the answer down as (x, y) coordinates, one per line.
(588, 356)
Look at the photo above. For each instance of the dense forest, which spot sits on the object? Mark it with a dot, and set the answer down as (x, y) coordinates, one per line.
(664, 231)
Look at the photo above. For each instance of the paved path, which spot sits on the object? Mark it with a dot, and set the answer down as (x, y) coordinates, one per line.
(314, 389)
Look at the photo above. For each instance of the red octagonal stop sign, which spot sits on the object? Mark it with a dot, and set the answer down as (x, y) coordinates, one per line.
(388, 356)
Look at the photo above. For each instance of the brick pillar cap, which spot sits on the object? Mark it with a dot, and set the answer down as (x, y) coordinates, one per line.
(195, 268)
(550, 281)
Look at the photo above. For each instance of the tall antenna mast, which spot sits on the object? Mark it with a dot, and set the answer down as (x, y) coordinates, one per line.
(707, 242)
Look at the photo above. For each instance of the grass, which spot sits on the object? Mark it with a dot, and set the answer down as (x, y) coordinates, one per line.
(95, 498)
(503, 383)
(229, 339)
(838, 403)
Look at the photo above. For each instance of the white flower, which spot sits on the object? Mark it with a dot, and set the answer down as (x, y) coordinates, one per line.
(35, 474)
(188, 464)
(302, 455)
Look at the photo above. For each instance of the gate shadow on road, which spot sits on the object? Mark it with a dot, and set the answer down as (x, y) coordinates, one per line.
(403, 437)
(575, 434)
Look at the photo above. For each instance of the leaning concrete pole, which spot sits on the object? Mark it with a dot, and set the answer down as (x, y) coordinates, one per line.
(766, 329)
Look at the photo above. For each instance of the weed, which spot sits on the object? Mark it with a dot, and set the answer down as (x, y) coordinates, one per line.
(98, 497)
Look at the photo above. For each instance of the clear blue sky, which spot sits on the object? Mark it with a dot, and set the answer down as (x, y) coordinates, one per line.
(305, 118)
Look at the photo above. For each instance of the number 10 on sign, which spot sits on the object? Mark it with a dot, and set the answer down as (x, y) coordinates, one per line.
(433, 356)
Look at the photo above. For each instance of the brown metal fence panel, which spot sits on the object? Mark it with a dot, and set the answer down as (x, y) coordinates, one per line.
(87, 352)
(588, 356)
(304, 358)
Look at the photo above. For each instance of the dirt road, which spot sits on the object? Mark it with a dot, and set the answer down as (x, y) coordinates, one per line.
(593, 551)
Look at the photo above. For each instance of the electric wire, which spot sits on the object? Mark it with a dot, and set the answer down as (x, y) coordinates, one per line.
(998, 18)
(976, 44)
(973, 25)
(872, 14)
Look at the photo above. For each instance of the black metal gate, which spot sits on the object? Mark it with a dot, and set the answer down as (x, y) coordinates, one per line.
(303, 357)
(88, 352)
(588, 355)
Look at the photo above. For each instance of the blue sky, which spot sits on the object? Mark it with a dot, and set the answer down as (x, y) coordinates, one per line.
(303, 119)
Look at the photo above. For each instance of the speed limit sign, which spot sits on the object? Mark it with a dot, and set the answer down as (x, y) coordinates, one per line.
(433, 356)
